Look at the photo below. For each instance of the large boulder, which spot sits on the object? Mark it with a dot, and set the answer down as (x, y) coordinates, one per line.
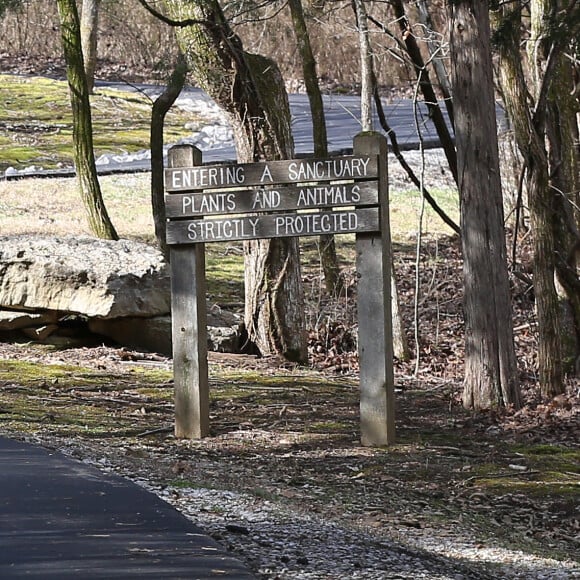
(120, 290)
(85, 276)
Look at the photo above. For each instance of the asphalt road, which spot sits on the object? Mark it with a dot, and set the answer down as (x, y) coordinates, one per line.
(410, 121)
(60, 518)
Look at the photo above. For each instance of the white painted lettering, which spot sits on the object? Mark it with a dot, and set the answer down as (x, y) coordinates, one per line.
(266, 174)
(292, 174)
(254, 225)
(192, 232)
(200, 177)
(266, 199)
(186, 203)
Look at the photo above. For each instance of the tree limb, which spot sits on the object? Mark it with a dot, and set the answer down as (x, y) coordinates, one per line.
(399, 155)
(170, 21)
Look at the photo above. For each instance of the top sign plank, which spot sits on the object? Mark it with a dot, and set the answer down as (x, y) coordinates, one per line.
(204, 177)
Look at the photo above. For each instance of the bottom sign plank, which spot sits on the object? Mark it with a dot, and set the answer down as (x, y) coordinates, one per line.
(278, 225)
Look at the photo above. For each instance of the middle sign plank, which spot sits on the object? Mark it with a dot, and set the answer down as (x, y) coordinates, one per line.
(283, 198)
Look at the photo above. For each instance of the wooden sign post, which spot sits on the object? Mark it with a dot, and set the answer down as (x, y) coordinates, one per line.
(189, 325)
(302, 197)
(375, 333)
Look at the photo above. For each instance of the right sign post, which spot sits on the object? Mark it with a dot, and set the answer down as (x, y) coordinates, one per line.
(375, 340)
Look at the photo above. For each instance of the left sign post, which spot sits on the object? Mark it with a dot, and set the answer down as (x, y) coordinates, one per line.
(189, 323)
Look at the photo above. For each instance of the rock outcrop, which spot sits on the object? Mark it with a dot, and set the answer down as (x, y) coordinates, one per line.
(85, 276)
(114, 289)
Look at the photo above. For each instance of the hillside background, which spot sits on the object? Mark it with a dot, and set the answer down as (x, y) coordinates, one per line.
(136, 47)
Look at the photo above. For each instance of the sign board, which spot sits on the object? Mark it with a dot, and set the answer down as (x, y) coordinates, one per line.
(279, 225)
(269, 173)
(283, 198)
(300, 197)
(228, 192)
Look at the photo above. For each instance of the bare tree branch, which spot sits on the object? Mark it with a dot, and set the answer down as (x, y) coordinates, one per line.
(169, 21)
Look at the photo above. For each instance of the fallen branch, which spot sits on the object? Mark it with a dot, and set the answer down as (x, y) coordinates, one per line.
(500, 475)
(166, 429)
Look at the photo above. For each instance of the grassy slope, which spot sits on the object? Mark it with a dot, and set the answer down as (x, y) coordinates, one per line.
(36, 122)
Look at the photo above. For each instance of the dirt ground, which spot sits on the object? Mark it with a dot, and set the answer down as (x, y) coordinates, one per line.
(291, 433)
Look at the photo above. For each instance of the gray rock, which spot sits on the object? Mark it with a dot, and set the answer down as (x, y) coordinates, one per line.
(16, 320)
(87, 276)
(154, 334)
(122, 289)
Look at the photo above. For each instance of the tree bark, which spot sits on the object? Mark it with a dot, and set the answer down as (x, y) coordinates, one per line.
(86, 170)
(89, 30)
(490, 362)
(559, 120)
(251, 91)
(160, 108)
(328, 257)
(366, 66)
(532, 132)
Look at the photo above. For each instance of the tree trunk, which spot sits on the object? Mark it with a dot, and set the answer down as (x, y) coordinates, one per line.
(564, 177)
(89, 30)
(564, 182)
(160, 108)
(84, 158)
(251, 91)
(366, 66)
(369, 94)
(530, 133)
(490, 362)
(328, 257)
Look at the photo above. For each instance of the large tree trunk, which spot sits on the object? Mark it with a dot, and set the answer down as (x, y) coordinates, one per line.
(562, 161)
(89, 29)
(328, 257)
(251, 91)
(530, 127)
(490, 363)
(84, 158)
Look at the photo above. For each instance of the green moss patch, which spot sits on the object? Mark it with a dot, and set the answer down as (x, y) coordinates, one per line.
(36, 122)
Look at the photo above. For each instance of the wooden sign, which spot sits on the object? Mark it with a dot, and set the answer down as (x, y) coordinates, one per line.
(301, 197)
(279, 225)
(223, 190)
